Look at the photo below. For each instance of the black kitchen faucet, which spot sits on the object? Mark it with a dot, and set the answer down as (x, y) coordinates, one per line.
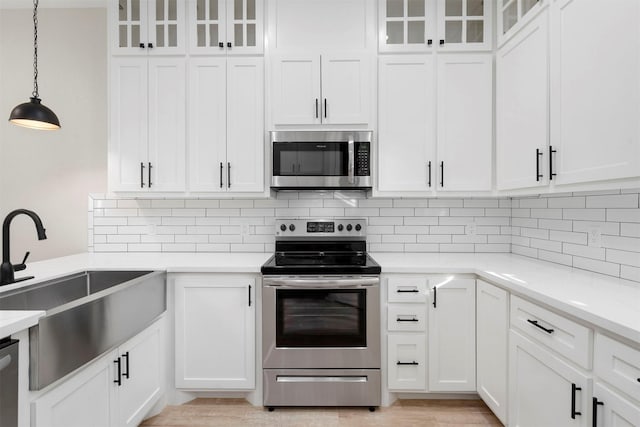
(7, 269)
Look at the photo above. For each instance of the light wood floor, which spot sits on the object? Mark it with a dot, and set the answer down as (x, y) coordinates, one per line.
(238, 412)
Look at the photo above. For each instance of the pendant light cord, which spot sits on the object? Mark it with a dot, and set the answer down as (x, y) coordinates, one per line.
(35, 49)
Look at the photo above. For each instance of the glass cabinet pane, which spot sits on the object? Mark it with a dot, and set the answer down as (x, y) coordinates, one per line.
(237, 35)
(173, 10)
(251, 9)
(415, 32)
(213, 10)
(237, 9)
(122, 10)
(509, 16)
(395, 8)
(200, 10)
(135, 10)
(213, 33)
(159, 10)
(527, 5)
(453, 32)
(475, 7)
(251, 34)
(122, 36)
(453, 8)
(395, 32)
(415, 8)
(475, 31)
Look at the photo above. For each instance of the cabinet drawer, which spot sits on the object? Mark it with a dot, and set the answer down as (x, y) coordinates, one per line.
(565, 336)
(406, 317)
(406, 362)
(618, 364)
(407, 289)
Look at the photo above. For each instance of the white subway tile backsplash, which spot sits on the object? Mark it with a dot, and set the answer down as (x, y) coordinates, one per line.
(551, 227)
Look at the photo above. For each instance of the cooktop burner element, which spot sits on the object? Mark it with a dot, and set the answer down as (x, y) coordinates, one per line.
(321, 247)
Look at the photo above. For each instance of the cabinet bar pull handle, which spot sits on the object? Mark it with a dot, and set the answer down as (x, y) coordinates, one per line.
(594, 418)
(141, 45)
(141, 175)
(402, 291)
(429, 42)
(150, 45)
(535, 323)
(639, 380)
(325, 108)
(442, 174)
(429, 173)
(229, 175)
(126, 365)
(229, 45)
(149, 172)
(435, 295)
(221, 45)
(119, 364)
(249, 295)
(538, 174)
(414, 363)
(399, 319)
(441, 42)
(551, 151)
(221, 168)
(316, 108)
(573, 401)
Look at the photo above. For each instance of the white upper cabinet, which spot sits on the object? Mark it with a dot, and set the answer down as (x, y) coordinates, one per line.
(226, 26)
(516, 14)
(226, 124)
(522, 108)
(464, 117)
(321, 89)
(406, 119)
(147, 137)
(595, 99)
(140, 27)
(421, 25)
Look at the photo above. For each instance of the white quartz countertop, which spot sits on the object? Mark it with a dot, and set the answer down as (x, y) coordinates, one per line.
(605, 302)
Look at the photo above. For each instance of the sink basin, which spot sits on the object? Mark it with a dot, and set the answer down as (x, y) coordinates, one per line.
(87, 314)
(58, 292)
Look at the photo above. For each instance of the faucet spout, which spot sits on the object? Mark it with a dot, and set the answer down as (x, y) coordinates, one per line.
(7, 270)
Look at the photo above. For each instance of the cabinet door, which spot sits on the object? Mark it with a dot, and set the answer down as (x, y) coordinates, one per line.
(346, 89)
(595, 101)
(540, 387)
(167, 129)
(464, 24)
(492, 328)
(245, 26)
(406, 365)
(465, 100)
(166, 28)
(128, 26)
(215, 332)
(406, 25)
(83, 400)
(207, 22)
(129, 131)
(296, 90)
(142, 371)
(452, 334)
(245, 124)
(406, 117)
(612, 409)
(522, 108)
(207, 124)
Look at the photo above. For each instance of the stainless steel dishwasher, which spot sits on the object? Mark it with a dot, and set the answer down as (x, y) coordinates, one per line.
(8, 382)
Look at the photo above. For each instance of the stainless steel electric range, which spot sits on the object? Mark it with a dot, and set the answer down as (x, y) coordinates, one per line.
(321, 316)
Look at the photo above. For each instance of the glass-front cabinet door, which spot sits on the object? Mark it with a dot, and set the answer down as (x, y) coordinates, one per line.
(423, 25)
(513, 14)
(226, 26)
(148, 26)
(464, 24)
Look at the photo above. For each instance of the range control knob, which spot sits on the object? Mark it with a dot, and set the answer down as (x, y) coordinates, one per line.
(358, 227)
(349, 227)
(340, 227)
(292, 227)
(283, 227)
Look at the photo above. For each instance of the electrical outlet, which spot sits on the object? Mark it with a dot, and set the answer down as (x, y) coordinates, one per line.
(594, 237)
(471, 229)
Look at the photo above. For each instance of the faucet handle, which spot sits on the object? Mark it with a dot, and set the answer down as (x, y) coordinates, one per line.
(23, 264)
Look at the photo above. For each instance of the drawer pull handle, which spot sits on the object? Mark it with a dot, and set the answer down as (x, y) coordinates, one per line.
(535, 323)
(594, 418)
(401, 291)
(399, 319)
(573, 401)
(414, 363)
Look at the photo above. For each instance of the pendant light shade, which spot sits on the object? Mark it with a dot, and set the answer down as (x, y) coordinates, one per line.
(34, 114)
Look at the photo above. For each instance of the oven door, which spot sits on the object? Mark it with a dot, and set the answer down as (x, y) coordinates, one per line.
(321, 322)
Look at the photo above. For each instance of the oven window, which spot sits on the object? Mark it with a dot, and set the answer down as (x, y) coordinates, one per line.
(321, 318)
(310, 159)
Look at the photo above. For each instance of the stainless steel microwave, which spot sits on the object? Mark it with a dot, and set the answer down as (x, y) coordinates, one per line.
(321, 160)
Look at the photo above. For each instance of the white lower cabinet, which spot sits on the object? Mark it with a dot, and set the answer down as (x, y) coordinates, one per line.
(406, 362)
(215, 331)
(492, 329)
(610, 409)
(544, 390)
(452, 334)
(101, 395)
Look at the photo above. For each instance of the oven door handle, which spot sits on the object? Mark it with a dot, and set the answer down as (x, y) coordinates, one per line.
(322, 283)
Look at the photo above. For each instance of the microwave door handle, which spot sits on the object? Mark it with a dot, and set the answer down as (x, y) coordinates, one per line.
(352, 160)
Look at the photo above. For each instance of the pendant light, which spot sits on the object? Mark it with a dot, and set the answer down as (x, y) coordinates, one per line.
(34, 114)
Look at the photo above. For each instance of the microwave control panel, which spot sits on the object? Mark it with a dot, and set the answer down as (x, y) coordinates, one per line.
(362, 160)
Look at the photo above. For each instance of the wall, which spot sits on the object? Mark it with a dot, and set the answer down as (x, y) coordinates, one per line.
(52, 172)
(557, 228)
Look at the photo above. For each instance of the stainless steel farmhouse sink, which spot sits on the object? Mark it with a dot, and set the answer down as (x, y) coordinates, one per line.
(87, 314)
